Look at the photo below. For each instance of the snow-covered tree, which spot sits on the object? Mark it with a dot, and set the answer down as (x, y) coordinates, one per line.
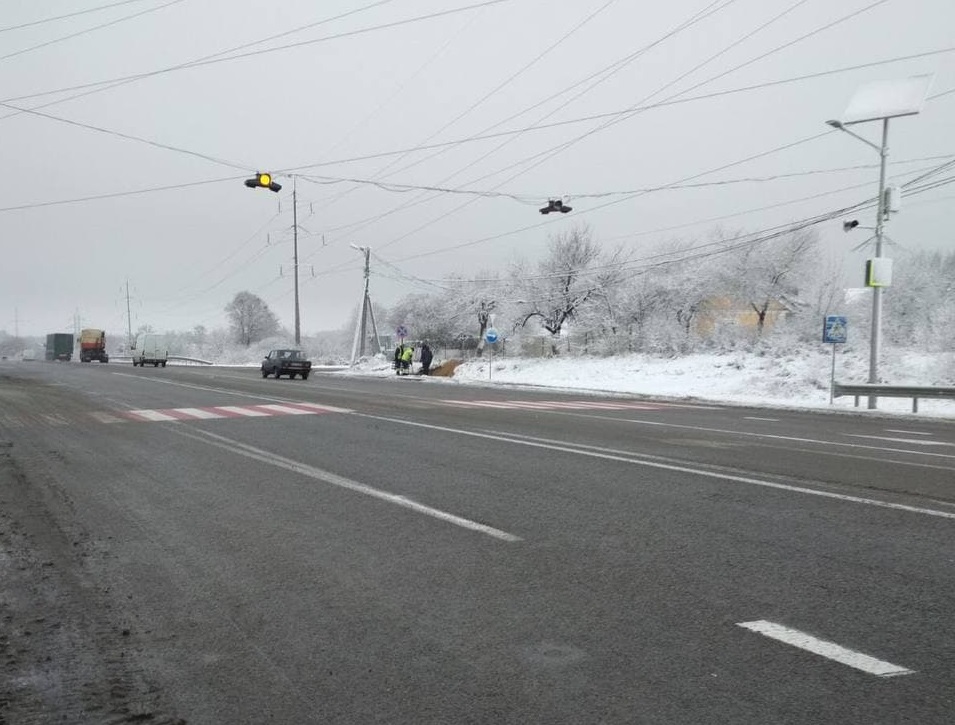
(250, 318)
(574, 274)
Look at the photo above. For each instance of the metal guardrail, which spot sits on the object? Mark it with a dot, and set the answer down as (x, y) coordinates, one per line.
(177, 358)
(915, 392)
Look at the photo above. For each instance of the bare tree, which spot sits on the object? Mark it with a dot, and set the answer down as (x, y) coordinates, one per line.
(250, 319)
(574, 273)
(771, 272)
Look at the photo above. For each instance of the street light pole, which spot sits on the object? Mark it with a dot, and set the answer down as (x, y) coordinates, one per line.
(881, 101)
(876, 335)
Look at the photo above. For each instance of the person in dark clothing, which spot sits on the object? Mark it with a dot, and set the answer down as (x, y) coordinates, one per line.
(426, 358)
(398, 351)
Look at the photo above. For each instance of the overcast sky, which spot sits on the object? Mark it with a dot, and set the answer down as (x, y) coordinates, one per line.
(348, 84)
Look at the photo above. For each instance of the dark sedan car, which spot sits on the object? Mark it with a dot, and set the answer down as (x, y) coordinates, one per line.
(286, 362)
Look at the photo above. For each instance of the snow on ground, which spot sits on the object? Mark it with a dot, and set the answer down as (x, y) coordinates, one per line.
(797, 379)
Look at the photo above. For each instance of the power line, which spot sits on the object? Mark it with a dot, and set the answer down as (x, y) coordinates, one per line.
(130, 137)
(68, 15)
(494, 90)
(118, 194)
(535, 199)
(104, 87)
(250, 54)
(708, 11)
(610, 114)
(89, 30)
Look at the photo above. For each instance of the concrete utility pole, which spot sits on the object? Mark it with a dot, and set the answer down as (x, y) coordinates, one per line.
(361, 328)
(298, 327)
(129, 322)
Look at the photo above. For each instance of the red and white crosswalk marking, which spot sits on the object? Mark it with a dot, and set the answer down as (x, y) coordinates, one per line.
(171, 415)
(556, 404)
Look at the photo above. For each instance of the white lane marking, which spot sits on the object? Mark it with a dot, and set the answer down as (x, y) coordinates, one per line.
(323, 408)
(625, 457)
(823, 648)
(198, 413)
(908, 432)
(304, 469)
(770, 436)
(753, 417)
(239, 410)
(285, 409)
(151, 415)
(900, 440)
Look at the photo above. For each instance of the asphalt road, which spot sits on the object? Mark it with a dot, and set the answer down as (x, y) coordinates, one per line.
(201, 545)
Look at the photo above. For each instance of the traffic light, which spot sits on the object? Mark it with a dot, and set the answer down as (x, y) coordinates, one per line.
(264, 181)
(555, 205)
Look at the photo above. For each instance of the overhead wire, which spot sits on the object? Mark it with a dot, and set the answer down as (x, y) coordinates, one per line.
(703, 14)
(500, 86)
(534, 198)
(68, 15)
(541, 158)
(109, 85)
(251, 54)
(89, 30)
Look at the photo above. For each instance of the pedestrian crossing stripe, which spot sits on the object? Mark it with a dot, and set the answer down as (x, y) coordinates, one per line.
(216, 412)
(555, 404)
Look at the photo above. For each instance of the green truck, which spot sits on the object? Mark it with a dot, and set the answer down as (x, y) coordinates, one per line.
(59, 346)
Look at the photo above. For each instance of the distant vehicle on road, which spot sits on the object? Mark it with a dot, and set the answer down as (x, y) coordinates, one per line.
(93, 345)
(286, 362)
(150, 349)
(59, 346)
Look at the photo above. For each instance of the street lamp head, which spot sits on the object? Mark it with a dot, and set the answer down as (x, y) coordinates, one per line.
(834, 123)
(850, 225)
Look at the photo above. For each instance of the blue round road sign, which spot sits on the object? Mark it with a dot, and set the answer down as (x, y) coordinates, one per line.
(490, 335)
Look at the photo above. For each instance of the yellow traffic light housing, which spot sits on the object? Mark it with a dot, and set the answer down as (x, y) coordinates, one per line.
(264, 181)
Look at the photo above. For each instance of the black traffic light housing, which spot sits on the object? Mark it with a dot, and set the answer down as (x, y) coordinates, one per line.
(555, 205)
(264, 181)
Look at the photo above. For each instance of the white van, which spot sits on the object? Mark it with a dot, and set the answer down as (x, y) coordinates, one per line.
(150, 349)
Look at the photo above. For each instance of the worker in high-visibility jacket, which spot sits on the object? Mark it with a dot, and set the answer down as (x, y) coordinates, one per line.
(407, 355)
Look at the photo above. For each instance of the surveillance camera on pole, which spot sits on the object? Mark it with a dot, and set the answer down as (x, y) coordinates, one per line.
(850, 225)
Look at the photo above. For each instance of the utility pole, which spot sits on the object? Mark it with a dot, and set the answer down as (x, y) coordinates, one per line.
(129, 321)
(361, 328)
(298, 334)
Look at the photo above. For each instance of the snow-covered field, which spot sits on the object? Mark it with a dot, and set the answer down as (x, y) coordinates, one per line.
(800, 379)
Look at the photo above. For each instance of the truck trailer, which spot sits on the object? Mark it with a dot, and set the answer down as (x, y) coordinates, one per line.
(59, 346)
(93, 346)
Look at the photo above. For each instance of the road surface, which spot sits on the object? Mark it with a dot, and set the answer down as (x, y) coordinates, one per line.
(200, 545)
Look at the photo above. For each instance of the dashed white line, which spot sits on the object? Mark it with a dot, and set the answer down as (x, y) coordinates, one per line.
(753, 417)
(304, 469)
(824, 648)
(908, 432)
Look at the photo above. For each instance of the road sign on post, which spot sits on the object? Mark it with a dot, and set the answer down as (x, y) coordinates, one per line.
(835, 330)
(490, 335)
(401, 332)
